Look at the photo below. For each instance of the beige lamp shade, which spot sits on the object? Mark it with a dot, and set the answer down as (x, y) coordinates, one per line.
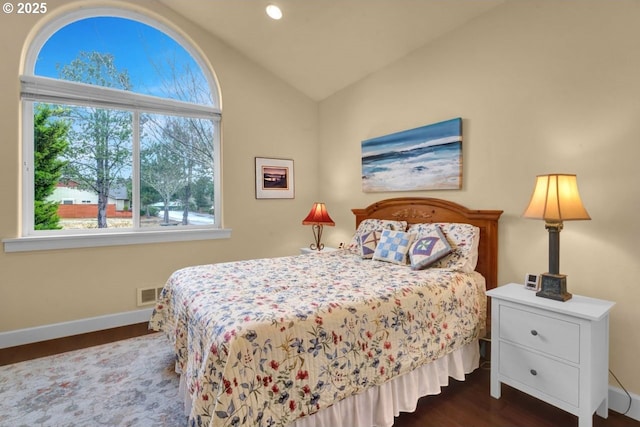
(555, 199)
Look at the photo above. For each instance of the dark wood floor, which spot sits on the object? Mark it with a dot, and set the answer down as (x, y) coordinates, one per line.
(60, 345)
(468, 403)
(461, 404)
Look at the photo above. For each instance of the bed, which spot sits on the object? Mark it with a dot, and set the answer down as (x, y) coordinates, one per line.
(350, 337)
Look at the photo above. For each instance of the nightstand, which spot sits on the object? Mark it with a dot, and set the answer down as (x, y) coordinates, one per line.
(555, 351)
(313, 251)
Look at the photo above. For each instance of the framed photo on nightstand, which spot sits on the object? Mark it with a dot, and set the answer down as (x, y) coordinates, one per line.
(532, 282)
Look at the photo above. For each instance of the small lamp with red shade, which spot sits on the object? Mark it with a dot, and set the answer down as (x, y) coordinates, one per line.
(318, 217)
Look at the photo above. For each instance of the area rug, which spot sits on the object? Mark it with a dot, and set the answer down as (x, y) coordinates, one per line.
(125, 383)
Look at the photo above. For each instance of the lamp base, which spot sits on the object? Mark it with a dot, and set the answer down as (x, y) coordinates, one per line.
(554, 286)
(317, 235)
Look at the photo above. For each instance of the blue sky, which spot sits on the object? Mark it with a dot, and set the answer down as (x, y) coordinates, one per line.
(134, 45)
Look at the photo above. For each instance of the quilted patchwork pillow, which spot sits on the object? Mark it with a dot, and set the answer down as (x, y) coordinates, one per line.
(393, 246)
(463, 239)
(428, 248)
(368, 225)
(368, 243)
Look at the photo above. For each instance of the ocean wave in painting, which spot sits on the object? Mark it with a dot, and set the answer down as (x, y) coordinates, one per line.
(426, 158)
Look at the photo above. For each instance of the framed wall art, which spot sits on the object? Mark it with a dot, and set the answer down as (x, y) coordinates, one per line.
(424, 158)
(274, 178)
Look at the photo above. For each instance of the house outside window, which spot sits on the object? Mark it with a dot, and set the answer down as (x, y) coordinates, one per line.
(121, 117)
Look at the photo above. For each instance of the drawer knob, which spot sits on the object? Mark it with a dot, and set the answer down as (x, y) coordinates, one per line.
(533, 372)
(534, 332)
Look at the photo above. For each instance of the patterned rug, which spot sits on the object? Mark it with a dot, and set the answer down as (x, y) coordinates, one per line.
(125, 383)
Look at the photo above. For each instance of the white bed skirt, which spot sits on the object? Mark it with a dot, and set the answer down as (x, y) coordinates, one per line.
(377, 406)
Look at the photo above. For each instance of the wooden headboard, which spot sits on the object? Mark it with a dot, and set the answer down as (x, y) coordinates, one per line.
(417, 210)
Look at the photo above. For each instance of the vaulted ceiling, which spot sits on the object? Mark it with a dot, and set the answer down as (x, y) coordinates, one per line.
(322, 46)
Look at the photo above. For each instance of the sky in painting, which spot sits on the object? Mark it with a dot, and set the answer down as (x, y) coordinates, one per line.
(136, 47)
(424, 136)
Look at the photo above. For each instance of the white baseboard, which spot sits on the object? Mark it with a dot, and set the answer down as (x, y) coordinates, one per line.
(74, 327)
(619, 402)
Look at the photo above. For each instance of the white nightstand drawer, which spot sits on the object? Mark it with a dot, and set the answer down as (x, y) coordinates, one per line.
(551, 377)
(550, 335)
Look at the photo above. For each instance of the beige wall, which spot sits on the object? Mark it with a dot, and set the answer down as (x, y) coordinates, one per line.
(542, 87)
(261, 117)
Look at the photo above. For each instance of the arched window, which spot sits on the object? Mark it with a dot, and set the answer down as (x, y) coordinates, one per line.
(121, 134)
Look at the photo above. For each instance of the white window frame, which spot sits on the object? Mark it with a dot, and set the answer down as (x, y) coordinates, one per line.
(42, 89)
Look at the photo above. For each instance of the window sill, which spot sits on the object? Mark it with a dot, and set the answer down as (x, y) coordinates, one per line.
(41, 243)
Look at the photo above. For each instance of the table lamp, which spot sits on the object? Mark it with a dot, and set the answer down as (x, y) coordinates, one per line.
(317, 218)
(555, 199)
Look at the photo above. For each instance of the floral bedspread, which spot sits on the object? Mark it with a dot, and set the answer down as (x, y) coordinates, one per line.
(263, 342)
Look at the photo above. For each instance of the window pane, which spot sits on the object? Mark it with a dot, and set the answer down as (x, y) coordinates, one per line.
(123, 54)
(110, 158)
(82, 167)
(176, 171)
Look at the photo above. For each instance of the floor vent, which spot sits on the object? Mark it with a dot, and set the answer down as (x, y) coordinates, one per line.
(147, 296)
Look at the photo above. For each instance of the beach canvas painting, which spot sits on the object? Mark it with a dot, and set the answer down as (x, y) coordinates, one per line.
(424, 158)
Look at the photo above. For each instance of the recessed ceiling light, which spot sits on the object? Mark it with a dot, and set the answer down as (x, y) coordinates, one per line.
(274, 12)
